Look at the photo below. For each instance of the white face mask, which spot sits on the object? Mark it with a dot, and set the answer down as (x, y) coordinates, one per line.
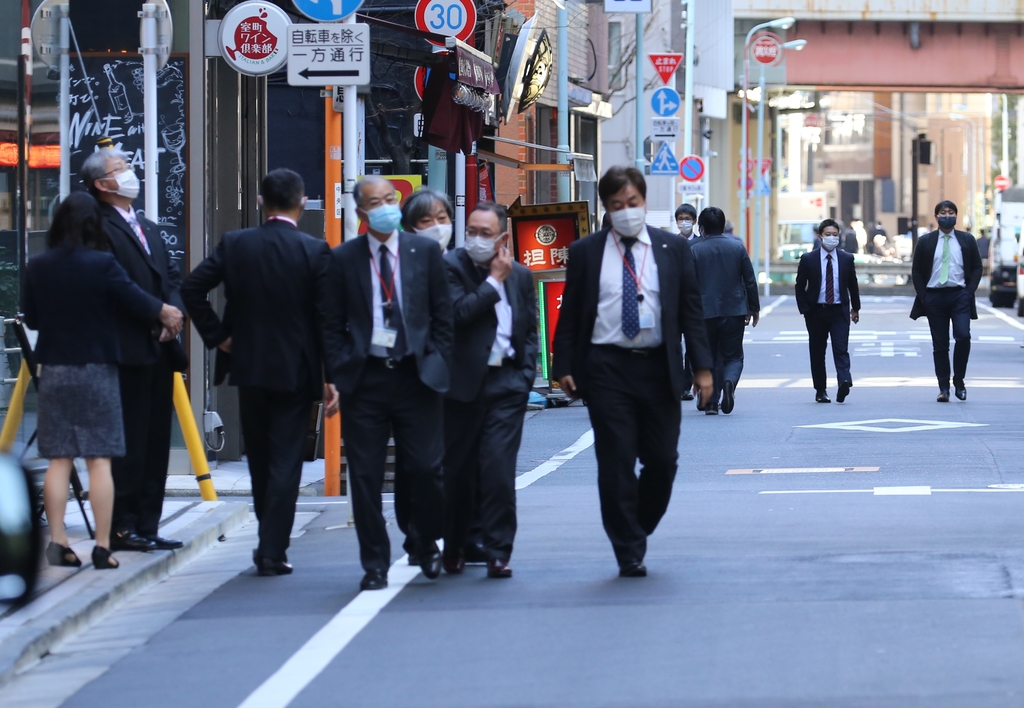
(127, 184)
(830, 243)
(685, 227)
(480, 248)
(442, 233)
(628, 222)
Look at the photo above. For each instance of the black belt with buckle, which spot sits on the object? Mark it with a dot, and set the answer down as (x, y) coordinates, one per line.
(634, 351)
(390, 362)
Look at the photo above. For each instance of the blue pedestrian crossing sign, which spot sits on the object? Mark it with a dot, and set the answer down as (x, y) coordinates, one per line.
(327, 10)
(665, 101)
(665, 163)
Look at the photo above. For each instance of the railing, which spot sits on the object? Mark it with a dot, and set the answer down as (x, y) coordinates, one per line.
(862, 268)
(10, 350)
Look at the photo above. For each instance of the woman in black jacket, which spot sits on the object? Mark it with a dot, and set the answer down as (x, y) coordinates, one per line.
(72, 294)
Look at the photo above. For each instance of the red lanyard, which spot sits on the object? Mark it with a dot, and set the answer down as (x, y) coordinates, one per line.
(632, 273)
(388, 292)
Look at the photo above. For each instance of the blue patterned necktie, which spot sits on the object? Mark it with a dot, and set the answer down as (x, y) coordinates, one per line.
(630, 305)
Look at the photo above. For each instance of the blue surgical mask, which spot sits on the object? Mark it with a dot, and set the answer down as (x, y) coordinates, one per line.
(946, 223)
(385, 218)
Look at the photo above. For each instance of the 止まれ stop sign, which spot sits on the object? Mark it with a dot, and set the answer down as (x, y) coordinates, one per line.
(1002, 183)
(452, 18)
(767, 50)
(691, 168)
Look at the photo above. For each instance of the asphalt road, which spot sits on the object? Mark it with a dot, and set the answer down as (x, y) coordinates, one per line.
(864, 554)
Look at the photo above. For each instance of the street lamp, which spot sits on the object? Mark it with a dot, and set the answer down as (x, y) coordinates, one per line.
(796, 45)
(783, 23)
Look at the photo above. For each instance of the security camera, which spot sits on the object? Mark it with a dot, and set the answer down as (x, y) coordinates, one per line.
(707, 134)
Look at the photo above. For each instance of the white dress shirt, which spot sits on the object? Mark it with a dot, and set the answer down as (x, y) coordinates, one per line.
(133, 221)
(608, 327)
(503, 309)
(836, 299)
(956, 264)
(391, 246)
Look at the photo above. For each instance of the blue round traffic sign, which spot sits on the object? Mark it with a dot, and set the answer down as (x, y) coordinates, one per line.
(327, 10)
(665, 102)
(691, 168)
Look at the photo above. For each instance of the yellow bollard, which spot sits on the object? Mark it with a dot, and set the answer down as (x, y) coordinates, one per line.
(194, 443)
(15, 410)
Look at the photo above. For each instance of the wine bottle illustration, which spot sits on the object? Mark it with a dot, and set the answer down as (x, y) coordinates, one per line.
(118, 95)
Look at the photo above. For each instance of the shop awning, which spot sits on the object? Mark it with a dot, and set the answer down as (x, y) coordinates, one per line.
(580, 163)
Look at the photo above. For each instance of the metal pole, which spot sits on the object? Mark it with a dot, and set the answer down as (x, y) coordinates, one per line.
(641, 163)
(65, 105)
(914, 163)
(563, 100)
(437, 169)
(152, 157)
(688, 80)
(758, 230)
(24, 121)
(744, 148)
(460, 199)
(1004, 165)
(350, 166)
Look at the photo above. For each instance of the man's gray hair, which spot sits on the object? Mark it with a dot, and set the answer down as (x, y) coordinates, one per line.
(95, 166)
(357, 191)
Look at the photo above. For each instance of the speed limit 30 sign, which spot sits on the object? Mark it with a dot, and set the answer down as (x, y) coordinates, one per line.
(452, 18)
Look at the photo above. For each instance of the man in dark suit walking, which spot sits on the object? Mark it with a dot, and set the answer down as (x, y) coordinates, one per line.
(275, 283)
(388, 344)
(631, 293)
(828, 297)
(494, 364)
(946, 272)
(149, 356)
(729, 297)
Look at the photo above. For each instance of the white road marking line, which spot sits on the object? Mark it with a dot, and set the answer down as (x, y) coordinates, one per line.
(768, 310)
(877, 493)
(993, 338)
(902, 491)
(882, 382)
(1002, 315)
(320, 650)
(869, 426)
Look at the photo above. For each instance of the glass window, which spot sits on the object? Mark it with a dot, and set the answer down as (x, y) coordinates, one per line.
(614, 50)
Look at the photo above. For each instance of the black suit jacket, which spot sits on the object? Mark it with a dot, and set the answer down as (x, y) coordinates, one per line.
(726, 276)
(808, 281)
(426, 311)
(73, 297)
(924, 256)
(473, 301)
(156, 274)
(275, 283)
(681, 310)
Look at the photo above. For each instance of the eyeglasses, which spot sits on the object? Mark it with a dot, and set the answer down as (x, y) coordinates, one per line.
(485, 234)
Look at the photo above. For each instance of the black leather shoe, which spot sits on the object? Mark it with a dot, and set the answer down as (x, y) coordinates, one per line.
(165, 544)
(474, 553)
(454, 564)
(431, 564)
(943, 396)
(711, 409)
(844, 391)
(960, 390)
(633, 570)
(374, 580)
(728, 397)
(130, 541)
(498, 569)
(688, 396)
(822, 397)
(270, 566)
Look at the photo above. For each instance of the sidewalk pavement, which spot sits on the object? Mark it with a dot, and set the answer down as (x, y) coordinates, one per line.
(231, 479)
(67, 599)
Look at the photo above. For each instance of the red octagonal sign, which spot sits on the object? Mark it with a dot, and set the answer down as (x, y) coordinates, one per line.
(767, 50)
(1002, 183)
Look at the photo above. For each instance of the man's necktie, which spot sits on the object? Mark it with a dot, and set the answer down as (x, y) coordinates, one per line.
(830, 283)
(139, 233)
(944, 268)
(392, 312)
(630, 305)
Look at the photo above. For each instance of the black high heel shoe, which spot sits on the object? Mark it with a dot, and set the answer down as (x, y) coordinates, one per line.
(57, 554)
(101, 558)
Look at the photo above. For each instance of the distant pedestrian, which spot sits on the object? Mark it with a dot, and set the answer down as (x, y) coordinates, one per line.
(983, 246)
(728, 232)
(73, 294)
(730, 301)
(429, 213)
(850, 243)
(631, 294)
(147, 363)
(494, 364)
(828, 297)
(946, 272)
(686, 221)
(388, 345)
(270, 339)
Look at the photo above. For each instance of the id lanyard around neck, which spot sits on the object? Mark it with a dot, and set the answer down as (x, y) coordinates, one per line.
(632, 273)
(388, 292)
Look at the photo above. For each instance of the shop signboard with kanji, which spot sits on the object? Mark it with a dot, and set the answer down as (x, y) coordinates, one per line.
(329, 55)
(549, 296)
(542, 234)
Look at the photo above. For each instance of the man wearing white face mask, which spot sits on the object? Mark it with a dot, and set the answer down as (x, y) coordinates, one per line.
(388, 343)
(828, 297)
(494, 363)
(631, 294)
(686, 219)
(148, 359)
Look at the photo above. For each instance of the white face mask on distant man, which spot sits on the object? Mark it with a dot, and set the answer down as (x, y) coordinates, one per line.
(830, 243)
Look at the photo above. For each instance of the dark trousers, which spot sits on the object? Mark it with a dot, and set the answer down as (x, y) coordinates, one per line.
(140, 477)
(635, 416)
(274, 424)
(824, 322)
(725, 335)
(385, 401)
(481, 445)
(943, 306)
(687, 372)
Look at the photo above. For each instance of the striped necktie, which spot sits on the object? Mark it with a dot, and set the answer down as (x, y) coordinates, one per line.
(830, 283)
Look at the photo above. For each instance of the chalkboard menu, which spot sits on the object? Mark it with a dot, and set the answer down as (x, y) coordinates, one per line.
(117, 85)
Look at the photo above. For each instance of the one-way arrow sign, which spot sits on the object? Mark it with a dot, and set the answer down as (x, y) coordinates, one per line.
(329, 54)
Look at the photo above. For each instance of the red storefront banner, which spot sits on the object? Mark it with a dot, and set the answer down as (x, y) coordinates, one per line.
(550, 296)
(39, 156)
